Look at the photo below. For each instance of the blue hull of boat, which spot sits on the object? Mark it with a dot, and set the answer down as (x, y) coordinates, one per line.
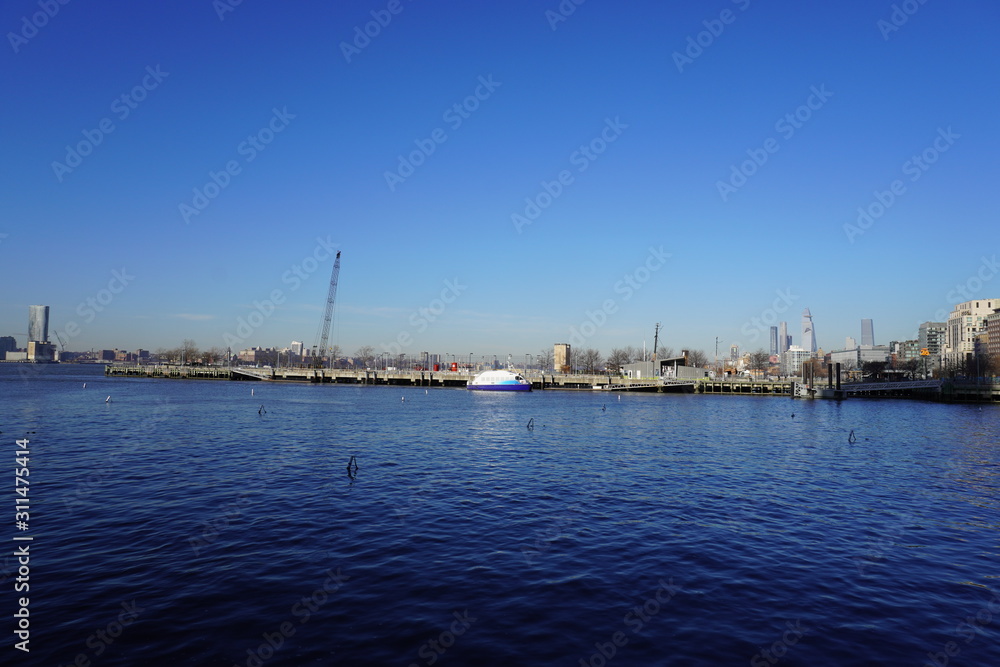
(501, 387)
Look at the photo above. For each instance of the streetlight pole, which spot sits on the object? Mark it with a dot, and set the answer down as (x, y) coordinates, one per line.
(717, 356)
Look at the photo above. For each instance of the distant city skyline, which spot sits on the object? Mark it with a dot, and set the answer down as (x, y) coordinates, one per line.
(927, 334)
(516, 183)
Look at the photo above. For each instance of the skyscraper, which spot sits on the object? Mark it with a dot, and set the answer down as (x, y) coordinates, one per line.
(38, 324)
(808, 334)
(774, 341)
(867, 333)
(784, 340)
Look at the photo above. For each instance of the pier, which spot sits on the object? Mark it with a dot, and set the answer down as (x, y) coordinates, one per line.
(747, 387)
(539, 381)
(943, 390)
(422, 378)
(426, 378)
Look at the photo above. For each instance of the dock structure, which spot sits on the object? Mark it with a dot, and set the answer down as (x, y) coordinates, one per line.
(415, 378)
(957, 391)
(943, 390)
(971, 392)
(892, 388)
(747, 387)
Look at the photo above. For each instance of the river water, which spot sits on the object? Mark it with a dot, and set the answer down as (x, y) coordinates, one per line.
(192, 523)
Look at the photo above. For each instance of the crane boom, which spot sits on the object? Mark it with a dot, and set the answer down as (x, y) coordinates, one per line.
(328, 317)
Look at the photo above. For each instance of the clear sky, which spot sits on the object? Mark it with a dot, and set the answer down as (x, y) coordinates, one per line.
(167, 168)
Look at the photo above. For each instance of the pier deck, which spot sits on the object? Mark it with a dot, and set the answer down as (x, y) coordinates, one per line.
(347, 376)
(933, 389)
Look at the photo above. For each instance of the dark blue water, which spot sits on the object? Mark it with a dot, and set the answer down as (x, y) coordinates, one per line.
(178, 525)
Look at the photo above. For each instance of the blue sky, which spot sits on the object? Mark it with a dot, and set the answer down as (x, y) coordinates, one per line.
(621, 144)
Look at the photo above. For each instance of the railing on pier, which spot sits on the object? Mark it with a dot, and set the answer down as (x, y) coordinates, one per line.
(856, 387)
(647, 384)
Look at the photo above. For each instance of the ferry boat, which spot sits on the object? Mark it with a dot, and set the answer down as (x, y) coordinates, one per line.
(499, 381)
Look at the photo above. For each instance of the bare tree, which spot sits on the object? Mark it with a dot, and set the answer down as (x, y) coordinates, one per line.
(873, 370)
(963, 366)
(760, 361)
(335, 354)
(590, 360)
(190, 350)
(365, 354)
(911, 366)
(545, 359)
(989, 365)
(697, 358)
(209, 356)
(618, 358)
(664, 352)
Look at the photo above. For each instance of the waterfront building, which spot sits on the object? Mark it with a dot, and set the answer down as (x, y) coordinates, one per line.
(792, 358)
(932, 335)
(847, 358)
(297, 348)
(808, 333)
(260, 355)
(784, 340)
(850, 343)
(38, 324)
(561, 357)
(40, 352)
(875, 353)
(966, 320)
(774, 341)
(672, 368)
(7, 344)
(867, 333)
(853, 359)
(993, 337)
(907, 350)
(639, 370)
